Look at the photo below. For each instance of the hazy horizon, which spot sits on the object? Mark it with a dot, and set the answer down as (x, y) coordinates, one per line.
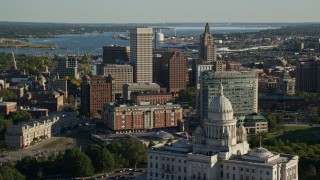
(148, 11)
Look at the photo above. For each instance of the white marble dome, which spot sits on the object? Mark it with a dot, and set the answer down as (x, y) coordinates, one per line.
(220, 107)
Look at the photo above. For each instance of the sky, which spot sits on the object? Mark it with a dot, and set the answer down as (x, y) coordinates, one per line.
(151, 11)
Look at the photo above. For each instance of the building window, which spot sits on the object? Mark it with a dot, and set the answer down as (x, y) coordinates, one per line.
(252, 170)
(221, 165)
(247, 170)
(241, 169)
(227, 175)
(221, 174)
(234, 168)
(268, 173)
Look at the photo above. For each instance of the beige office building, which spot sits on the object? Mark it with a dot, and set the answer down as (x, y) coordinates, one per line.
(141, 54)
(121, 74)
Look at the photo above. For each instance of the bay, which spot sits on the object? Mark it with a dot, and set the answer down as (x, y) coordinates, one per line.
(92, 43)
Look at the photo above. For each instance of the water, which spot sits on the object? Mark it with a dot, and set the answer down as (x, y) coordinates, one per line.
(92, 43)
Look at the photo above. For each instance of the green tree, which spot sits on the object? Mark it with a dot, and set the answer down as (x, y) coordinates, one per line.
(28, 166)
(19, 116)
(311, 172)
(9, 173)
(136, 152)
(107, 162)
(8, 95)
(185, 95)
(77, 163)
(272, 122)
(4, 123)
(119, 153)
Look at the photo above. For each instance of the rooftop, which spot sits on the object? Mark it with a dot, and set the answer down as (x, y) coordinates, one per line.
(7, 103)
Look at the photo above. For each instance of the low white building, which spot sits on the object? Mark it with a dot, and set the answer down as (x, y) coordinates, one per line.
(220, 152)
(27, 133)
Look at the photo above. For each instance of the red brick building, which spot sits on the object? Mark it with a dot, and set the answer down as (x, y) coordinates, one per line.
(152, 97)
(95, 92)
(171, 72)
(127, 119)
(7, 107)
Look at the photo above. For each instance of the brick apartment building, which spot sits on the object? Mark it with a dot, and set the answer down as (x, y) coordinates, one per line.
(127, 119)
(153, 97)
(51, 100)
(95, 91)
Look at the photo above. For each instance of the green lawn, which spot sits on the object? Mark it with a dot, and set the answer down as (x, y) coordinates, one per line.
(293, 128)
(55, 143)
(304, 134)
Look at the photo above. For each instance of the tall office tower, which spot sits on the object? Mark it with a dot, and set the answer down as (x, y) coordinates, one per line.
(95, 92)
(141, 54)
(308, 75)
(171, 73)
(240, 87)
(68, 66)
(207, 48)
(115, 54)
(121, 74)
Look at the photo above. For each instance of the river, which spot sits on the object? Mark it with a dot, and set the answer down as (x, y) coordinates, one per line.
(92, 43)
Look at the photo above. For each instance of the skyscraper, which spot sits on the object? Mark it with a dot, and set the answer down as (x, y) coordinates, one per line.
(171, 72)
(141, 54)
(207, 48)
(115, 54)
(308, 75)
(68, 66)
(240, 87)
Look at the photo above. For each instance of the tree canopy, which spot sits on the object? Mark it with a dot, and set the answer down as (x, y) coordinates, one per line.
(19, 116)
(8, 95)
(76, 163)
(9, 173)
